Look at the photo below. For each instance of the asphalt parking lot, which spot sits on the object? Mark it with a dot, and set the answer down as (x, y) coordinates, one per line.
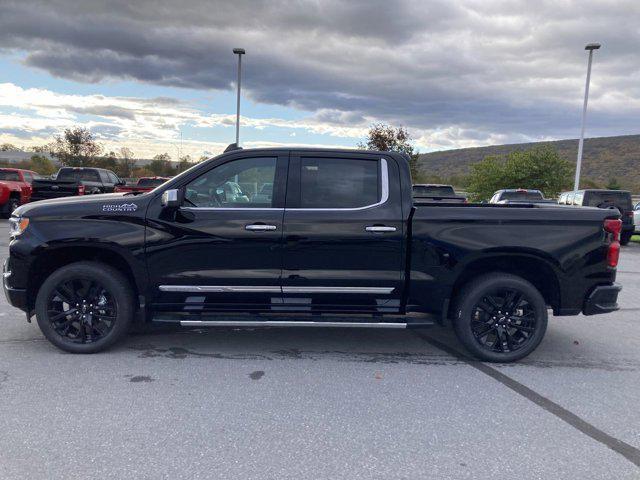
(324, 403)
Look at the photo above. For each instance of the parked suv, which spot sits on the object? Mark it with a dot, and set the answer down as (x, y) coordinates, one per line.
(611, 199)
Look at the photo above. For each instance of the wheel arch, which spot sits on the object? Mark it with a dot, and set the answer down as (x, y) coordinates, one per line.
(535, 269)
(54, 258)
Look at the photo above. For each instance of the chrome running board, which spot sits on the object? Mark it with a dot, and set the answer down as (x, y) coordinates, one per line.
(284, 323)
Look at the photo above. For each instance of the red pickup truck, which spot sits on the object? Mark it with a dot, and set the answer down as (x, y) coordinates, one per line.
(15, 188)
(144, 184)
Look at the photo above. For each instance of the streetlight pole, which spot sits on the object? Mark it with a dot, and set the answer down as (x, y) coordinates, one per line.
(239, 52)
(590, 47)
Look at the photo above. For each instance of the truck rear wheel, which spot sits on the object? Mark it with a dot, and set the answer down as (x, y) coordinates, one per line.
(84, 307)
(625, 238)
(11, 205)
(500, 317)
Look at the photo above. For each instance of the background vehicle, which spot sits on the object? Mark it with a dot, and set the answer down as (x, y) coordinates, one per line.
(341, 233)
(619, 200)
(144, 184)
(518, 195)
(15, 188)
(437, 193)
(636, 218)
(73, 181)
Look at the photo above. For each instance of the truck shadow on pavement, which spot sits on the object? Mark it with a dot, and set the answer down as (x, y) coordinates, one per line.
(414, 347)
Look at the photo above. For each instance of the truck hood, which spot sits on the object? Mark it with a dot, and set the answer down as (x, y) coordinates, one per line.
(83, 201)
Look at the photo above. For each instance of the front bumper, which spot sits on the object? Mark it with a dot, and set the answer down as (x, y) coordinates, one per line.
(16, 297)
(602, 299)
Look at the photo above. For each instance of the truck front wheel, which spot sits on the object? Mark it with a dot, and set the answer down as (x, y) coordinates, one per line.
(84, 307)
(500, 317)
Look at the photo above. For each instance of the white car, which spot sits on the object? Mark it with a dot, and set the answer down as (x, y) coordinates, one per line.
(636, 217)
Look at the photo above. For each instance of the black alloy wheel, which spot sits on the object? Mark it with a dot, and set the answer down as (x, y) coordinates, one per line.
(503, 321)
(500, 317)
(85, 307)
(81, 310)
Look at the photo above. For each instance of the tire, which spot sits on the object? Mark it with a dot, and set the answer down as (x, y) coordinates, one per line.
(625, 238)
(106, 312)
(10, 206)
(518, 332)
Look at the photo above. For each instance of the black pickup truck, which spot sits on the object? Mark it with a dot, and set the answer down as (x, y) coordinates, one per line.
(73, 181)
(437, 193)
(337, 233)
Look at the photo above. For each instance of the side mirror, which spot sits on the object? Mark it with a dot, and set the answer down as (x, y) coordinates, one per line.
(120, 183)
(171, 198)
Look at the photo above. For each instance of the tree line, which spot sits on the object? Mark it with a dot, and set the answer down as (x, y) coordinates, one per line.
(78, 147)
(541, 168)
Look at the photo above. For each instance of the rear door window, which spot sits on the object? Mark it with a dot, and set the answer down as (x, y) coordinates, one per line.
(339, 182)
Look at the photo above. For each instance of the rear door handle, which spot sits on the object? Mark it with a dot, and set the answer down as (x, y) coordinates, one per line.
(259, 227)
(380, 229)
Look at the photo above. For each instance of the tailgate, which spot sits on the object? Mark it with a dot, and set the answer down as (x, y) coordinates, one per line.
(43, 189)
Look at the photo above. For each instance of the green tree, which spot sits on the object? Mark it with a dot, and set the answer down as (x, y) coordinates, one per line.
(184, 163)
(161, 165)
(8, 146)
(76, 147)
(126, 163)
(42, 165)
(541, 168)
(389, 139)
(613, 184)
(109, 161)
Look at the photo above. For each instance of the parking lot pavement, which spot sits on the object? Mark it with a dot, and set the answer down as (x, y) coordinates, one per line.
(324, 403)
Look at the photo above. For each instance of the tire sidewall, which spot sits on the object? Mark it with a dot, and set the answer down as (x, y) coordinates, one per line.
(117, 285)
(471, 295)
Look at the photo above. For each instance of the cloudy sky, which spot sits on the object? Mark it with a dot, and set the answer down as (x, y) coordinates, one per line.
(144, 73)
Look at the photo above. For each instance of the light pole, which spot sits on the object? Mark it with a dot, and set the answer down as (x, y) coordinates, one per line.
(590, 47)
(239, 52)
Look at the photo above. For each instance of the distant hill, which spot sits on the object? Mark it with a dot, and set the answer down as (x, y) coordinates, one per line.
(603, 158)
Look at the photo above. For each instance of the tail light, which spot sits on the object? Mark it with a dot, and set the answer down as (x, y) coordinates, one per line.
(614, 227)
(80, 189)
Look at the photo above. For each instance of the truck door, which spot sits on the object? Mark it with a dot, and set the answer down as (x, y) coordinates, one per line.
(343, 233)
(222, 249)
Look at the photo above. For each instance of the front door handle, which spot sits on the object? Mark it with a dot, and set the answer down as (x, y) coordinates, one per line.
(380, 229)
(260, 227)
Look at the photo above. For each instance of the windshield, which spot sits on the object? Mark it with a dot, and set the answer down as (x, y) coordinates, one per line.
(522, 196)
(9, 175)
(433, 190)
(151, 182)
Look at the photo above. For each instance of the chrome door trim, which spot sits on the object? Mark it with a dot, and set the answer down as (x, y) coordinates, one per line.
(272, 289)
(367, 290)
(220, 288)
(293, 323)
(384, 180)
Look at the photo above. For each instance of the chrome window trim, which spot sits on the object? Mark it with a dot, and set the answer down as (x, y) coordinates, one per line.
(272, 289)
(384, 197)
(384, 180)
(246, 209)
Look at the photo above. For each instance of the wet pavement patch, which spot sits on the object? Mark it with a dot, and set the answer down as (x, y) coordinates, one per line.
(140, 378)
(257, 375)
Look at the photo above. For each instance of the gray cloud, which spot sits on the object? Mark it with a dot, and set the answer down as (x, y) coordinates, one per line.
(483, 68)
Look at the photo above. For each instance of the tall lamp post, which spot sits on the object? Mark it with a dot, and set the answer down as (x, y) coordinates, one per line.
(239, 52)
(590, 47)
